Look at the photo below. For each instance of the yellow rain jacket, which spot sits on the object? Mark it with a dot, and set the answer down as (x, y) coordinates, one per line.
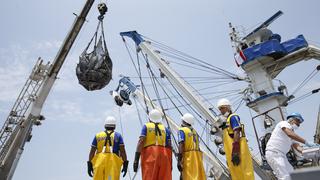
(192, 156)
(106, 164)
(152, 138)
(244, 171)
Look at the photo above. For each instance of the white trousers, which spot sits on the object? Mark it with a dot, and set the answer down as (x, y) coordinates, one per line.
(279, 164)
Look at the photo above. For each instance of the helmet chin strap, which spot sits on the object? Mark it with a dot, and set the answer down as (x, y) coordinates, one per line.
(185, 124)
(226, 114)
(110, 128)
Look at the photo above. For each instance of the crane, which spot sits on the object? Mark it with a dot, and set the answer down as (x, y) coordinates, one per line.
(186, 90)
(26, 111)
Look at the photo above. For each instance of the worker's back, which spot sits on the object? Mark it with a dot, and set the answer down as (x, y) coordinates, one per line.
(190, 138)
(154, 137)
(106, 140)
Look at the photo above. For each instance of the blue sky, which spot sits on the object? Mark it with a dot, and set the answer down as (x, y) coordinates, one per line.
(59, 148)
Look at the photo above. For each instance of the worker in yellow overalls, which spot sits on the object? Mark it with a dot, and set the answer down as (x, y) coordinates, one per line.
(107, 154)
(190, 160)
(235, 144)
(155, 148)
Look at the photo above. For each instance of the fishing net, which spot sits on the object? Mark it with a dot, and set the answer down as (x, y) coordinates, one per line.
(94, 70)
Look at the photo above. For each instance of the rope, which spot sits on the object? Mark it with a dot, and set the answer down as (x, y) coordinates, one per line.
(208, 99)
(104, 39)
(207, 147)
(143, 87)
(160, 102)
(139, 116)
(308, 78)
(198, 61)
(305, 96)
(210, 93)
(212, 70)
(224, 75)
(120, 120)
(192, 63)
(138, 70)
(130, 56)
(93, 37)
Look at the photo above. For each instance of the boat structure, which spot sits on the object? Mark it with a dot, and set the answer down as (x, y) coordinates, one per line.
(175, 82)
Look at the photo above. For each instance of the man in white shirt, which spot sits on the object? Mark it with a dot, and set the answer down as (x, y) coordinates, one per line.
(282, 139)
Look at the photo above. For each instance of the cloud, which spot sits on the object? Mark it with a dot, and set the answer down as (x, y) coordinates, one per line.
(14, 71)
(18, 60)
(47, 45)
(60, 109)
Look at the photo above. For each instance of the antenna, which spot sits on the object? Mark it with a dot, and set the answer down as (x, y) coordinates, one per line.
(266, 23)
(234, 37)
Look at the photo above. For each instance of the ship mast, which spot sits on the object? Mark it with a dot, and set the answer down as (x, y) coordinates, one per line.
(262, 55)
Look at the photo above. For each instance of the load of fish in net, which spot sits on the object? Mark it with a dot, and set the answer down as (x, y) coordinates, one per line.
(94, 70)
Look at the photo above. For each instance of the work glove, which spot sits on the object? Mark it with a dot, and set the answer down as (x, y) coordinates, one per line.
(90, 168)
(311, 144)
(125, 168)
(223, 125)
(179, 165)
(136, 162)
(235, 153)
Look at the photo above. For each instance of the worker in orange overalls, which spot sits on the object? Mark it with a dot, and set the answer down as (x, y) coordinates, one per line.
(155, 148)
(107, 154)
(190, 160)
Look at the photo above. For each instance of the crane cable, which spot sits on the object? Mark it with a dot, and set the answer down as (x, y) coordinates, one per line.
(138, 70)
(219, 78)
(120, 120)
(192, 59)
(160, 102)
(304, 96)
(207, 147)
(307, 79)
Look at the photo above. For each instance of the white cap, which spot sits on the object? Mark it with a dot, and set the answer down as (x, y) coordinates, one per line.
(188, 118)
(155, 116)
(110, 120)
(223, 102)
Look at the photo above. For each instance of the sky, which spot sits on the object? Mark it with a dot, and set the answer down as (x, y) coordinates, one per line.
(59, 148)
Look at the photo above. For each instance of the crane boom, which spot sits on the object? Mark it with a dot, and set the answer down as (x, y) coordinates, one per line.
(16, 130)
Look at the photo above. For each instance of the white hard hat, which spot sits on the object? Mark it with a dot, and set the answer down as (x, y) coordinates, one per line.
(188, 118)
(110, 120)
(223, 102)
(155, 116)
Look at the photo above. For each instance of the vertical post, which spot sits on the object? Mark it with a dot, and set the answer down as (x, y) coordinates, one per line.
(317, 134)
